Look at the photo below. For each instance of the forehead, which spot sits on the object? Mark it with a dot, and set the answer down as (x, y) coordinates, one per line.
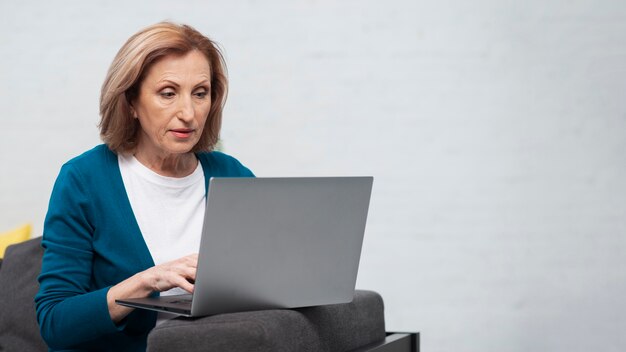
(190, 64)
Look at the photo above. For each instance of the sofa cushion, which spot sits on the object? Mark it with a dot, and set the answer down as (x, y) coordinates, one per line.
(343, 327)
(18, 285)
(340, 327)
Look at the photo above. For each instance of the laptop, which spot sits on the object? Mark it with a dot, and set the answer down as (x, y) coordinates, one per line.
(272, 243)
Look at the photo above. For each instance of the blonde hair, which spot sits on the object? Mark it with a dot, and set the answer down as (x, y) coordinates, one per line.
(118, 128)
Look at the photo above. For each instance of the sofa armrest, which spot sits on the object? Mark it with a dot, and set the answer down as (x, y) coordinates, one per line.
(340, 327)
(18, 285)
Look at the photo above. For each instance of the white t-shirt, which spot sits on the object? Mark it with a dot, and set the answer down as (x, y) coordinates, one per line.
(169, 210)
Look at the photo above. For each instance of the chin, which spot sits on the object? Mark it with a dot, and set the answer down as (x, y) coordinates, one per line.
(181, 148)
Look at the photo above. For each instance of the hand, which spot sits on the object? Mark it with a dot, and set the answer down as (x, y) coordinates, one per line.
(177, 273)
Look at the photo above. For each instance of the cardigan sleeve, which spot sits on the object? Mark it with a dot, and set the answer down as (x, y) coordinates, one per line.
(69, 311)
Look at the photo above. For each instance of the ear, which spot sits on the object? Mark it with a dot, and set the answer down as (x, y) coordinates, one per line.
(133, 112)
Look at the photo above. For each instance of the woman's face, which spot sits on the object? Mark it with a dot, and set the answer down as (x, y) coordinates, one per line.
(173, 104)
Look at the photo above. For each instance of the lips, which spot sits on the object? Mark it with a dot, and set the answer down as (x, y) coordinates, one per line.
(182, 132)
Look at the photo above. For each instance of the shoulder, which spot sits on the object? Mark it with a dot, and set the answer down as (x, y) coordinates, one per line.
(220, 164)
(94, 163)
(98, 154)
(81, 179)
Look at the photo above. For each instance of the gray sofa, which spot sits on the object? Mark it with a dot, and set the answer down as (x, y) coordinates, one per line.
(356, 326)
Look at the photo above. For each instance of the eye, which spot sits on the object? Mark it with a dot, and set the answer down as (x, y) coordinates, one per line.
(167, 94)
(201, 94)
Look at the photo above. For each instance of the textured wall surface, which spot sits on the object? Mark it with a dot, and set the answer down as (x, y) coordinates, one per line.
(496, 132)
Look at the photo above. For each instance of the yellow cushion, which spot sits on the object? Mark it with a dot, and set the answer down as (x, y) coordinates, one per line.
(18, 235)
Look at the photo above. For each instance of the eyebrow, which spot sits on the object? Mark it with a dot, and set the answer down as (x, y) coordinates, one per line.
(203, 82)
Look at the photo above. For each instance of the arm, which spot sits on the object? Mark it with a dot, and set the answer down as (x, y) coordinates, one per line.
(70, 310)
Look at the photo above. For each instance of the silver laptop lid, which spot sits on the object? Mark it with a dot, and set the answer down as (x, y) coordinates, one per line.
(280, 242)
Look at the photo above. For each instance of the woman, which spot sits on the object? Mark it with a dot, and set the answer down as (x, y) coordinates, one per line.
(125, 218)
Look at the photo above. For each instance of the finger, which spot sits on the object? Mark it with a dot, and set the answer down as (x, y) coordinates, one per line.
(188, 260)
(192, 260)
(181, 274)
(184, 284)
(177, 273)
(184, 269)
(190, 274)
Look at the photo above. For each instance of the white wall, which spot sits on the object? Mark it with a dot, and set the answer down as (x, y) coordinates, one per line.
(496, 132)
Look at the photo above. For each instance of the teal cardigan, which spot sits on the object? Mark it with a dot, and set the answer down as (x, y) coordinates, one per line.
(91, 242)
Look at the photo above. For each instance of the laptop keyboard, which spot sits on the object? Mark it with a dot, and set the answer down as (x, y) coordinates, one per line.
(181, 301)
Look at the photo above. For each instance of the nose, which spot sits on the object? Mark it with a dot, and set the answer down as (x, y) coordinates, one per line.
(185, 109)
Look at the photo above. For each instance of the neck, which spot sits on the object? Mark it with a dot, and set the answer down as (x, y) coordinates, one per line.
(170, 165)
